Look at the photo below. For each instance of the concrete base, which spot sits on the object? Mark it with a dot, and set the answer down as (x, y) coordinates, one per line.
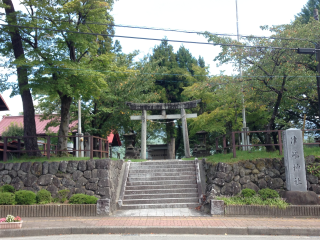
(301, 198)
(217, 207)
(103, 207)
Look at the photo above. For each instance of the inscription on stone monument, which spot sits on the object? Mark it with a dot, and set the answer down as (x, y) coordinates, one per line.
(294, 160)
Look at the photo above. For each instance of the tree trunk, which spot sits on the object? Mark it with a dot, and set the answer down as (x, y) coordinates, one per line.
(28, 108)
(64, 124)
(271, 123)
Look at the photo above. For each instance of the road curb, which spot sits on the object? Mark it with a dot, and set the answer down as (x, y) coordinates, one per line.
(160, 230)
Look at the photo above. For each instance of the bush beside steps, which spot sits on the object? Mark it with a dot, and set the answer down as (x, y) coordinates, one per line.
(9, 196)
(248, 196)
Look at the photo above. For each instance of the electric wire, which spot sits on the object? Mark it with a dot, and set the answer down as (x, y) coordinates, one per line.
(174, 30)
(154, 39)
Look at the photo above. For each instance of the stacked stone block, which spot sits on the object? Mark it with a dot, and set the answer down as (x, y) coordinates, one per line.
(92, 177)
(229, 179)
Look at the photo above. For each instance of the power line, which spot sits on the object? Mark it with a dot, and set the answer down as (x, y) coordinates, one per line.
(153, 39)
(136, 72)
(175, 30)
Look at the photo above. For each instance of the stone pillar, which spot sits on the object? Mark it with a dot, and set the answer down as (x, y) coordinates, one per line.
(144, 135)
(185, 133)
(245, 139)
(79, 145)
(294, 160)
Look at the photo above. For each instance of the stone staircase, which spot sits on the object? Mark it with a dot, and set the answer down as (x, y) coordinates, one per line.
(160, 184)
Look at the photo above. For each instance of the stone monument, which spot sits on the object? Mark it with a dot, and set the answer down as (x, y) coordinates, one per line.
(296, 180)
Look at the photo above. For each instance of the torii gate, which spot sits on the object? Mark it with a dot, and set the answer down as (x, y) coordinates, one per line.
(163, 106)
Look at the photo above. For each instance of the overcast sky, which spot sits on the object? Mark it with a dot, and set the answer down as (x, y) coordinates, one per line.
(218, 16)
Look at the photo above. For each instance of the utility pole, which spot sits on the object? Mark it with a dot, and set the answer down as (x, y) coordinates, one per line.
(244, 135)
(316, 17)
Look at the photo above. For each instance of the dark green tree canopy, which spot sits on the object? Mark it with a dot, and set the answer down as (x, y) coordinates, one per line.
(307, 11)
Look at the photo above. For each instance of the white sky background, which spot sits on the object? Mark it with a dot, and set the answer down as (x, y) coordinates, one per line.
(217, 16)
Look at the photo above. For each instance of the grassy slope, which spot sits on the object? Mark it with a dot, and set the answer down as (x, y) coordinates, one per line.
(242, 155)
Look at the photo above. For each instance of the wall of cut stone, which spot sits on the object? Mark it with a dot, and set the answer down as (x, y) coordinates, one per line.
(230, 179)
(92, 177)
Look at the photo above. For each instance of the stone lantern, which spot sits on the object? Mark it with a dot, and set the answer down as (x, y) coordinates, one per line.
(131, 151)
(200, 150)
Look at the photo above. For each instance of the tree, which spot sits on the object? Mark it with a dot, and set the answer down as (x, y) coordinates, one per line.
(271, 74)
(307, 11)
(64, 63)
(18, 50)
(174, 72)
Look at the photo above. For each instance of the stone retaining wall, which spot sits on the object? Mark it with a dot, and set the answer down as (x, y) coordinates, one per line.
(230, 179)
(92, 177)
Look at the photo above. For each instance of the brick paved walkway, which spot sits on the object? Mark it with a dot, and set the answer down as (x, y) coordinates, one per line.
(172, 222)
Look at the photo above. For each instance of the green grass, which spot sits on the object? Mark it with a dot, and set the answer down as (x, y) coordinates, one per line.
(254, 154)
(43, 159)
(255, 201)
(58, 159)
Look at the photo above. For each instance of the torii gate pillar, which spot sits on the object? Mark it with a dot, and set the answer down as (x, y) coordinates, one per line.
(185, 133)
(163, 106)
(144, 134)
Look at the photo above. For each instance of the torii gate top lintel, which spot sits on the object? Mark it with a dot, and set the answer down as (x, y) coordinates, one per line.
(163, 106)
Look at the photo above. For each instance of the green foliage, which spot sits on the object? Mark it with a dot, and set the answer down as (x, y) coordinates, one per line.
(7, 198)
(25, 197)
(43, 196)
(247, 193)
(255, 200)
(63, 195)
(7, 188)
(13, 130)
(306, 13)
(82, 199)
(314, 170)
(268, 193)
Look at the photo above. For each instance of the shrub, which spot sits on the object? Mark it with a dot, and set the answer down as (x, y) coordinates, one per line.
(7, 188)
(63, 195)
(7, 198)
(82, 199)
(25, 197)
(13, 130)
(268, 193)
(43, 196)
(247, 192)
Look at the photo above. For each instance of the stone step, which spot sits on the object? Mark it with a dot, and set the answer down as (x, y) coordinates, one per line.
(163, 174)
(163, 182)
(161, 191)
(164, 166)
(159, 170)
(163, 205)
(162, 195)
(166, 178)
(156, 162)
(160, 187)
(160, 200)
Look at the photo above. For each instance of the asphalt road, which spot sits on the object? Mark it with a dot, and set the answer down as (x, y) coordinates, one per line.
(163, 237)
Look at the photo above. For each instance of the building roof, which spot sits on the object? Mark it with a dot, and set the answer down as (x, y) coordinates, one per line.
(3, 105)
(40, 124)
(114, 139)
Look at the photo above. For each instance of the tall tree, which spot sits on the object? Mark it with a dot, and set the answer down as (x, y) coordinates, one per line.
(22, 74)
(307, 11)
(64, 62)
(270, 71)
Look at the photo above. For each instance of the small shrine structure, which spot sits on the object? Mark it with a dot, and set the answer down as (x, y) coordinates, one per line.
(144, 107)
